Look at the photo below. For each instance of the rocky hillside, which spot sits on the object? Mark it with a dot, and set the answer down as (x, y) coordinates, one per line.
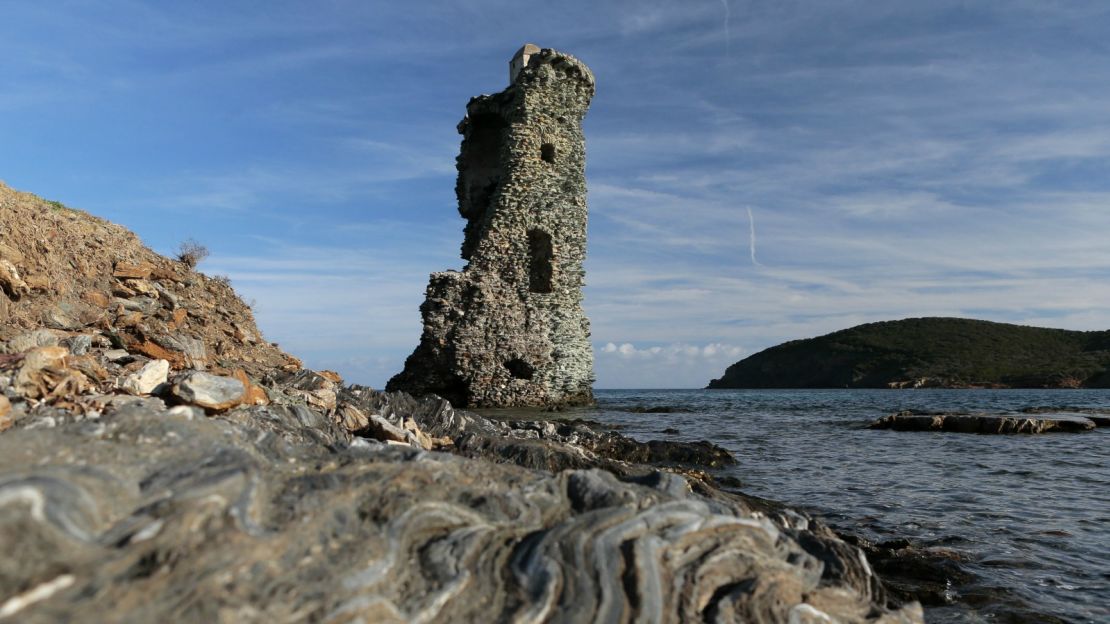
(81, 280)
(930, 352)
(159, 461)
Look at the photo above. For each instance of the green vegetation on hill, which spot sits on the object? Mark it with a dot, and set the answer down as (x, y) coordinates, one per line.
(930, 352)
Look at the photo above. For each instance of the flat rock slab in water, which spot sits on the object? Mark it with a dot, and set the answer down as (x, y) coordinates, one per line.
(1100, 416)
(985, 423)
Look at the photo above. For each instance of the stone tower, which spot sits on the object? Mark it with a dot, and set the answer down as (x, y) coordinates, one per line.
(509, 330)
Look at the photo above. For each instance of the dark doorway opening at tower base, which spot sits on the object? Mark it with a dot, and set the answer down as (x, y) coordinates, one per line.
(454, 390)
(541, 262)
(520, 369)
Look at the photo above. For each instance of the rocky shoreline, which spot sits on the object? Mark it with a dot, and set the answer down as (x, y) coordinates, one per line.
(288, 512)
(159, 460)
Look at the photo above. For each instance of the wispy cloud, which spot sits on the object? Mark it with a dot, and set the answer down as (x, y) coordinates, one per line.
(751, 236)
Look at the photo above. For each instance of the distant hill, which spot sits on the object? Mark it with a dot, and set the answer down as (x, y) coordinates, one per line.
(931, 352)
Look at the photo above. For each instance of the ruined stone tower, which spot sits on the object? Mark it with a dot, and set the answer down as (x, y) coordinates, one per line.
(509, 330)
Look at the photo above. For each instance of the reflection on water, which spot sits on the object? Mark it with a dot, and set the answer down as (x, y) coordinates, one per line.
(1033, 512)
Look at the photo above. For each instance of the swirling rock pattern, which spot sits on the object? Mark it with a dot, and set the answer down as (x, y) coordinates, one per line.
(275, 513)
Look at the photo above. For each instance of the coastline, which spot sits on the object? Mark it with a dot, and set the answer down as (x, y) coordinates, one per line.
(973, 531)
(160, 460)
(532, 519)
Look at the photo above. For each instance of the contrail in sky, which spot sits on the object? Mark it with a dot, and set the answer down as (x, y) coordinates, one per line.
(728, 35)
(751, 236)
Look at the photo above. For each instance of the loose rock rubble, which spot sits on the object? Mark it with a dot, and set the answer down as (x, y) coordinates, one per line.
(71, 279)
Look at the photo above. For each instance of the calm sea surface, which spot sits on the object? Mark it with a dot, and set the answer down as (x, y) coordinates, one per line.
(1032, 512)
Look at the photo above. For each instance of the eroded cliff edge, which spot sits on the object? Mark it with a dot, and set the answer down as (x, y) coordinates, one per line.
(165, 465)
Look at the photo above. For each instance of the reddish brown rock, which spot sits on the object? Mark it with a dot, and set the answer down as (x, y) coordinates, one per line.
(5, 413)
(155, 351)
(178, 318)
(140, 270)
(331, 376)
(95, 298)
(42, 283)
(254, 394)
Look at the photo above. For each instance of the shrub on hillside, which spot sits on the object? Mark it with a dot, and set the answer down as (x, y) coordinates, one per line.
(190, 253)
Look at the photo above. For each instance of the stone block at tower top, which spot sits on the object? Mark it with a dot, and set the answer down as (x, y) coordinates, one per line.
(520, 60)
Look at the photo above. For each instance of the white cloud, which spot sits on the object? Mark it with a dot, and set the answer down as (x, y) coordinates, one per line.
(674, 365)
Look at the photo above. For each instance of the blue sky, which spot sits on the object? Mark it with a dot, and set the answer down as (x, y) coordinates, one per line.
(758, 171)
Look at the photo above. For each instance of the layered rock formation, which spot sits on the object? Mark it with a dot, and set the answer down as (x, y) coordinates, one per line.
(138, 488)
(509, 330)
(276, 513)
(909, 420)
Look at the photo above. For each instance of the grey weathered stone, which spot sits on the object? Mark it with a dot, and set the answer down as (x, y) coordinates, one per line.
(145, 305)
(172, 300)
(208, 391)
(58, 318)
(118, 355)
(147, 378)
(30, 340)
(382, 429)
(79, 344)
(315, 389)
(196, 356)
(509, 329)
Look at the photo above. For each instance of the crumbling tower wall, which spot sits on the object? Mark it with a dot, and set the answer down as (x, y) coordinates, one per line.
(509, 329)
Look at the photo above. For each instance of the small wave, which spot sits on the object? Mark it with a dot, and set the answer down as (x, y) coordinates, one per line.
(655, 409)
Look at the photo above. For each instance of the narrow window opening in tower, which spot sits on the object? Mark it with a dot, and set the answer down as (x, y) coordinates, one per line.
(541, 260)
(520, 369)
(547, 152)
(480, 163)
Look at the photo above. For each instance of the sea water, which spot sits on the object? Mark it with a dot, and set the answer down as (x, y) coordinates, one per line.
(1030, 513)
